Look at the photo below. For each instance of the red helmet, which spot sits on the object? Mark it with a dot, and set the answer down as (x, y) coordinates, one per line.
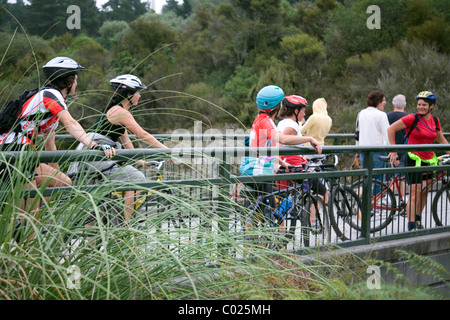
(295, 101)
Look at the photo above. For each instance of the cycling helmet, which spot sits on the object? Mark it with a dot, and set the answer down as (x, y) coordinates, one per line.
(127, 82)
(427, 96)
(61, 67)
(269, 97)
(295, 101)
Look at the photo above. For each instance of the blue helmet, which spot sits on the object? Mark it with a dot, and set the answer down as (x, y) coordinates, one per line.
(269, 97)
(428, 96)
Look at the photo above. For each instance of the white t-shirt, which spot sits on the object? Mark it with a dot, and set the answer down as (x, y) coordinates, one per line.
(373, 125)
(289, 123)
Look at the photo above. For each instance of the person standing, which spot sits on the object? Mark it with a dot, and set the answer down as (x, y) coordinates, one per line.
(399, 105)
(319, 123)
(373, 124)
(292, 112)
(264, 133)
(422, 128)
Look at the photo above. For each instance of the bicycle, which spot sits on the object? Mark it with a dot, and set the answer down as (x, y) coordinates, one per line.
(441, 202)
(272, 217)
(343, 202)
(309, 207)
(384, 205)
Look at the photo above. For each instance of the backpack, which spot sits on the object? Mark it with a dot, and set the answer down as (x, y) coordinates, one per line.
(8, 114)
(414, 125)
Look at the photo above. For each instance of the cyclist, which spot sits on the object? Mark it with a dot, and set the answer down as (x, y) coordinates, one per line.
(50, 104)
(264, 133)
(112, 127)
(427, 130)
(294, 109)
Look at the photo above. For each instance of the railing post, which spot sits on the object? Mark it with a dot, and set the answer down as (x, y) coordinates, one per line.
(223, 192)
(367, 196)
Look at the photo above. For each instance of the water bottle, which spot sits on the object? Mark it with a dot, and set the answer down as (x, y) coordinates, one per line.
(306, 186)
(283, 207)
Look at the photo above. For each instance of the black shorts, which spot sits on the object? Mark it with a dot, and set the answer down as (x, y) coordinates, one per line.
(417, 177)
(318, 187)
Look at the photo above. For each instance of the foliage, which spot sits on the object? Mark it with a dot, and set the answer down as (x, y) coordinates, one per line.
(112, 32)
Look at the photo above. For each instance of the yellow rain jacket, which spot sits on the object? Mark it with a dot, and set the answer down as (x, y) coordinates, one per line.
(319, 123)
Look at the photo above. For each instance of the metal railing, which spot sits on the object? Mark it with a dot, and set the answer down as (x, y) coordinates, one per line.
(222, 174)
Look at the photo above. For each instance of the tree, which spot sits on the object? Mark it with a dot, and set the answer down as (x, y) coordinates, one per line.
(171, 5)
(140, 42)
(112, 32)
(185, 10)
(91, 18)
(126, 10)
(347, 33)
(46, 18)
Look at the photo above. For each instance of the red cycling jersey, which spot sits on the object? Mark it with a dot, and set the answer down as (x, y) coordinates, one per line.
(424, 133)
(47, 100)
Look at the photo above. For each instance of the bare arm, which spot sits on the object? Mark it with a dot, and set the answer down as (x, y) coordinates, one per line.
(76, 130)
(293, 140)
(392, 129)
(120, 116)
(441, 139)
(126, 141)
(49, 139)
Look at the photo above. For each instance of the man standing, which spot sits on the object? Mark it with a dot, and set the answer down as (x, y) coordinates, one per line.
(399, 105)
(372, 124)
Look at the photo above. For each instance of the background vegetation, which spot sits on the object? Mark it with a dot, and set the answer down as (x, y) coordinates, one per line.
(223, 51)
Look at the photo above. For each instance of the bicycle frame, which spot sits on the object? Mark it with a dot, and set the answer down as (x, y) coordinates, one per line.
(396, 181)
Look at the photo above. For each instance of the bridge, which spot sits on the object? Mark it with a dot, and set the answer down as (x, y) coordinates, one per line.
(205, 167)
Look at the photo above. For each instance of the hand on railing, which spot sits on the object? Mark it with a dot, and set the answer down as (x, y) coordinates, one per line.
(106, 148)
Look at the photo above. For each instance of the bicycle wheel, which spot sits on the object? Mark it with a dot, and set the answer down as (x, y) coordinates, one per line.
(312, 214)
(284, 227)
(320, 229)
(383, 204)
(441, 206)
(344, 212)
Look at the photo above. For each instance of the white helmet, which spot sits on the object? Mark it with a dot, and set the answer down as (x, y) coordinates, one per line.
(61, 67)
(127, 82)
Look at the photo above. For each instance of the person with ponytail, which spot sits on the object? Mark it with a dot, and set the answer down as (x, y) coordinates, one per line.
(112, 127)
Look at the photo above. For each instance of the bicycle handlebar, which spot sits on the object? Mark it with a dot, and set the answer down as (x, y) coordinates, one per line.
(444, 159)
(158, 165)
(316, 161)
